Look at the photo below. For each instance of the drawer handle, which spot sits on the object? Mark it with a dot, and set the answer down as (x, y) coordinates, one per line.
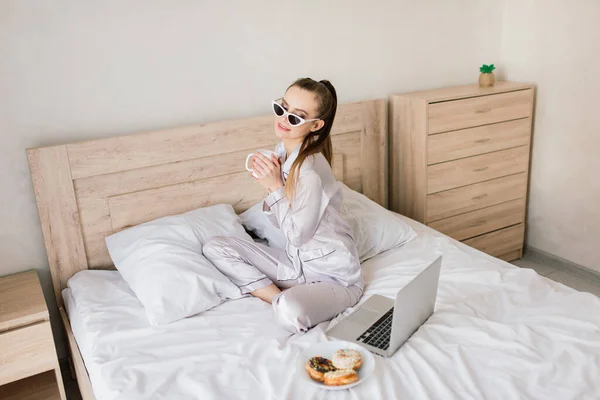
(482, 141)
(481, 169)
(481, 196)
(483, 110)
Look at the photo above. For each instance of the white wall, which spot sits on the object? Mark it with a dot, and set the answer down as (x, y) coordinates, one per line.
(556, 44)
(75, 70)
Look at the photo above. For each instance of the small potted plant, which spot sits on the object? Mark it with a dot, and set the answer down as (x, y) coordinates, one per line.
(487, 78)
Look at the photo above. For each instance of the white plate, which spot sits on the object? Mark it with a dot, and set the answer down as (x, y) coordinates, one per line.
(327, 350)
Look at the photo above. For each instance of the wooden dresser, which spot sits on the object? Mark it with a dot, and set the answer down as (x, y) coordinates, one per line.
(459, 162)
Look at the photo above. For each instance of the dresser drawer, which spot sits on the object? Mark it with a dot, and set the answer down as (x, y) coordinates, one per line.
(500, 242)
(473, 141)
(475, 223)
(466, 171)
(465, 113)
(510, 256)
(473, 197)
(26, 351)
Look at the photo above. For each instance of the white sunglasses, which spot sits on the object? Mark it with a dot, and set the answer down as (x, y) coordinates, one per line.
(293, 119)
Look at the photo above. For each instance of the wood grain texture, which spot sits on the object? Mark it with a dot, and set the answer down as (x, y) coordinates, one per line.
(142, 150)
(511, 256)
(337, 165)
(408, 156)
(528, 170)
(93, 194)
(499, 242)
(38, 387)
(469, 142)
(466, 171)
(469, 198)
(60, 383)
(134, 208)
(26, 351)
(349, 146)
(21, 301)
(468, 225)
(83, 379)
(374, 155)
(465, 113)
(135, 180)
(59, 215)
(466, 91)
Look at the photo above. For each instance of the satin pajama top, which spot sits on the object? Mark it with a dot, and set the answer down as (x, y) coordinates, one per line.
(320, 242)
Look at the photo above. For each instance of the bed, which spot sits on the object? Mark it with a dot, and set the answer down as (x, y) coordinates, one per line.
(498, 331)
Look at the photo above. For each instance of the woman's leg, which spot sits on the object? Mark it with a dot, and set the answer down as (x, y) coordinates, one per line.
(301, 307)
(249, 265)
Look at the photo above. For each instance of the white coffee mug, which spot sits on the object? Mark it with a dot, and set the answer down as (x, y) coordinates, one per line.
(267, 153)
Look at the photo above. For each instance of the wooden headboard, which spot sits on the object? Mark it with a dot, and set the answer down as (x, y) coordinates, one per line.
(86, 191)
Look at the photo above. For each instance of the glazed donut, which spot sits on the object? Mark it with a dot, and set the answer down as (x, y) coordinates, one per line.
(347, 359)
(317, 367)
(341, 377)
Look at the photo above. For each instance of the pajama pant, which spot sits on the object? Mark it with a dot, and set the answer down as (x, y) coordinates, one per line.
(252, 266)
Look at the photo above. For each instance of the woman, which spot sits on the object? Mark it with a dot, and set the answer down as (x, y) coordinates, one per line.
(319, 267)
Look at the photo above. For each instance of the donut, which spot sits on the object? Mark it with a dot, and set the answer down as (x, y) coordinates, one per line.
(317, 367)
(341, 377)
(347, 359)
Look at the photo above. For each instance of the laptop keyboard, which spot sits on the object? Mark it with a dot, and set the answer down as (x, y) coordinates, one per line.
(378, 334)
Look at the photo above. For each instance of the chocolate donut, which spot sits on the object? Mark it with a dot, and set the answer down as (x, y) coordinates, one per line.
(317, 367)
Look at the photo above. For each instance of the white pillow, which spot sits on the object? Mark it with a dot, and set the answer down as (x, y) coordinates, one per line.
(376, 229)
(162, 262)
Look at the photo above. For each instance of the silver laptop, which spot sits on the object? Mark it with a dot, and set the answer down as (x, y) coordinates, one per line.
(382, 325)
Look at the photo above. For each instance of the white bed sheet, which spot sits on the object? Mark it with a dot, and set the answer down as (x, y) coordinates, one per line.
(498, 332)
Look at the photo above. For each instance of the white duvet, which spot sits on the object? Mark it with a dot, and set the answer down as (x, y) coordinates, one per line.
(498, 332)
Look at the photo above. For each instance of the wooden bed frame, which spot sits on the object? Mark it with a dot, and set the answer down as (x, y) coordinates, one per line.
(86, 191)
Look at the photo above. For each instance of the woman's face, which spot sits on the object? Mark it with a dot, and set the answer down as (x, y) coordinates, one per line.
(305, 105)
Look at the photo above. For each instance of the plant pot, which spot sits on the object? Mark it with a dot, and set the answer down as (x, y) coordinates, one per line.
(487, 79)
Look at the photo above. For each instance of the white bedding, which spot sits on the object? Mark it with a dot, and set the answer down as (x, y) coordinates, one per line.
(498, 332)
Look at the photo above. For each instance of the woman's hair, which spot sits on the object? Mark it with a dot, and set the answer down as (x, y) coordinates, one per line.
(318, 141)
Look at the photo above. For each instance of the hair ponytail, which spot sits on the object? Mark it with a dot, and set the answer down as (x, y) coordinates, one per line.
(328, 146)
(318, 141)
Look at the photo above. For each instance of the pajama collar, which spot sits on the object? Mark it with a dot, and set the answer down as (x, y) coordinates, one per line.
(287, 161)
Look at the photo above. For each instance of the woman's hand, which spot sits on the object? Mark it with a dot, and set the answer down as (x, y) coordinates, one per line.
(268, 171)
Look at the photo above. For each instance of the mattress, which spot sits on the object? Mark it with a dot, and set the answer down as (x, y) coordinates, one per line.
(498, 332)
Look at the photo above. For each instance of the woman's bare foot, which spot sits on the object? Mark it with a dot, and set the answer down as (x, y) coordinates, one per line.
(267, 293)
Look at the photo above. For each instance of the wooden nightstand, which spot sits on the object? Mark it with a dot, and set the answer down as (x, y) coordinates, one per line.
(28, 362)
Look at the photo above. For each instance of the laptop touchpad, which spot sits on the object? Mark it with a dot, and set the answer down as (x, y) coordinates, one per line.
(364, 316)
